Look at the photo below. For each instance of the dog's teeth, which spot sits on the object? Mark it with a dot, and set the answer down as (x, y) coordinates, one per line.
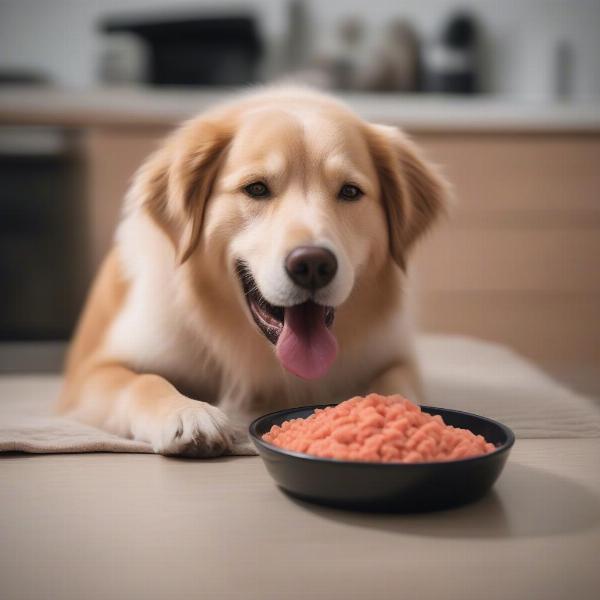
(329, 316)
(269, 318)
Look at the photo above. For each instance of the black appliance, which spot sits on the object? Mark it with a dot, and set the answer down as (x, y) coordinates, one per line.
(212, 50)
(42, 236)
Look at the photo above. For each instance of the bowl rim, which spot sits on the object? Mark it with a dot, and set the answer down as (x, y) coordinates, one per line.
(505, 447)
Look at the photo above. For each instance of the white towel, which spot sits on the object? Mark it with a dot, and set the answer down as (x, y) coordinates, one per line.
(460, 373)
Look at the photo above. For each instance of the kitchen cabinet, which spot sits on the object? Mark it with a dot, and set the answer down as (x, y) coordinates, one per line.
(517, 260)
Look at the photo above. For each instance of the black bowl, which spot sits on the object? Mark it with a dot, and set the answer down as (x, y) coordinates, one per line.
(386, 486)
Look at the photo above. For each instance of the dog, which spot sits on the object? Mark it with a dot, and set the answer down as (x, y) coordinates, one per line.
(260, 263)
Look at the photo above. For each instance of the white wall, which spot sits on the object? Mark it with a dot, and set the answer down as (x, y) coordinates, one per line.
(59, 36)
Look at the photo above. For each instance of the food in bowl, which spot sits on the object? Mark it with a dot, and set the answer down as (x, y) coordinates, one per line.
(377, 428)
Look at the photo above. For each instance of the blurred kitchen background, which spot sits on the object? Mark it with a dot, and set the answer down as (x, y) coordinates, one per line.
(504, 95)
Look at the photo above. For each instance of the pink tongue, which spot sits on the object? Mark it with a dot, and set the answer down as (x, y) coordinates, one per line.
(306, 347)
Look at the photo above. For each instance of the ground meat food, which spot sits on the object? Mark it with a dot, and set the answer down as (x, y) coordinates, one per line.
(379, 429)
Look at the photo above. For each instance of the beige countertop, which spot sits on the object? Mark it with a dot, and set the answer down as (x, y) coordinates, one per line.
(144, 107)
(100, 526)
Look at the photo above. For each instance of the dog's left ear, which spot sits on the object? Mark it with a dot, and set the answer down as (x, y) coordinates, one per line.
(414, 193)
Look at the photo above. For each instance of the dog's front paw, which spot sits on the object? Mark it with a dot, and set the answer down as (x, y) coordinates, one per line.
(196, 429)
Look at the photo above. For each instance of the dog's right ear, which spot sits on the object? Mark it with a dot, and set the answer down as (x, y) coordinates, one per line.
(175, 183)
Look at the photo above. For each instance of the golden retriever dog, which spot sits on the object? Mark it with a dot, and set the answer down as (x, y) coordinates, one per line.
(260, 263)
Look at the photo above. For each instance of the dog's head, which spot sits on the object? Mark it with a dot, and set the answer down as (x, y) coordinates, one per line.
(293, 198)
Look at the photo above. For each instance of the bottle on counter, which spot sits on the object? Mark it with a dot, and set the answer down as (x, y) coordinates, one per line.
(451, 62)
(396, 62)
(563, 70)
(346, 63)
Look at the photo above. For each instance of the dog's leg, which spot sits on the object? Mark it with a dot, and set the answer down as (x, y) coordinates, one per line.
(403, 379)
(148, 408)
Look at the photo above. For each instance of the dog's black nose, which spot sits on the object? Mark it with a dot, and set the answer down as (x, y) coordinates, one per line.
(311, 267)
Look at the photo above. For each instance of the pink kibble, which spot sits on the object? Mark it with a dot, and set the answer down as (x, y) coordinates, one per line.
(377, 429)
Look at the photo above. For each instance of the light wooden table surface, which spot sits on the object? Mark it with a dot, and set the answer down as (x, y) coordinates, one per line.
(142, 526)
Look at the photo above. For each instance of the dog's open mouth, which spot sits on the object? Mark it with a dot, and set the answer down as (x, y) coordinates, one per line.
(301, 333)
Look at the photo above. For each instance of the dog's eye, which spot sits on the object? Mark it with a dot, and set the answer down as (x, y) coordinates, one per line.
(350, 192)
(257, 189)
